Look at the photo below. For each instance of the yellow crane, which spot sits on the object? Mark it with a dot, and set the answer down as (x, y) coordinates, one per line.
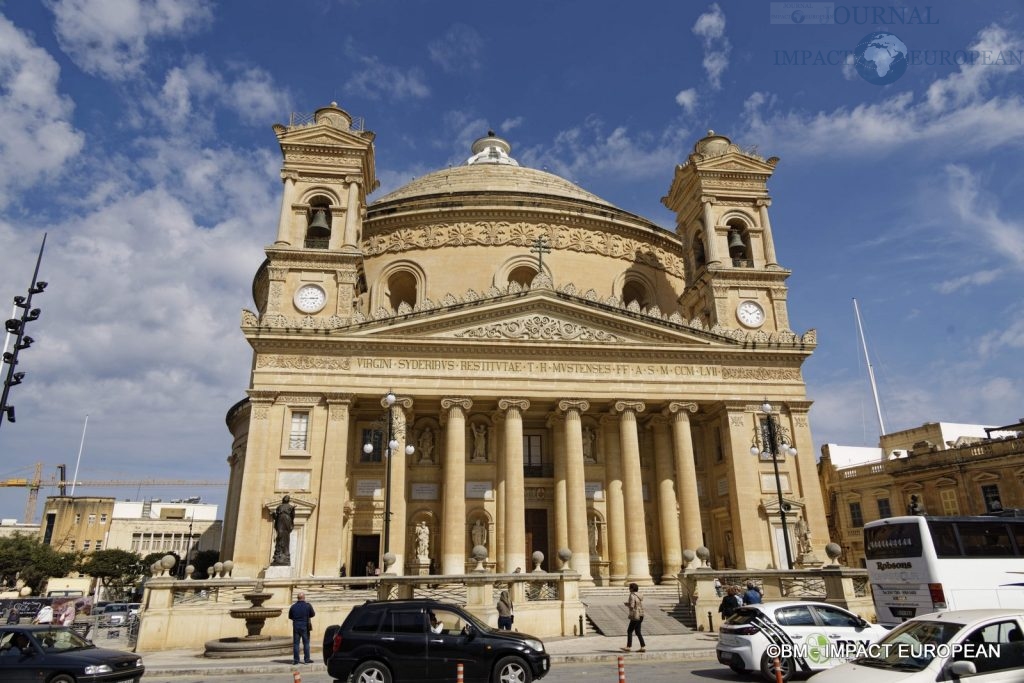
(36, 482)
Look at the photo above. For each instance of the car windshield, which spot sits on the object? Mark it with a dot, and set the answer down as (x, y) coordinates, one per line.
(911, 646)
(59, 640)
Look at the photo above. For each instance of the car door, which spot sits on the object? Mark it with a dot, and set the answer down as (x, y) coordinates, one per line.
(807, 635)
(997, 651)
(845, 631)
(16, 666)
(403, 642)
(457, 642)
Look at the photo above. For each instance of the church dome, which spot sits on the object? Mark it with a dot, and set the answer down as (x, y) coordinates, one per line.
(490, 170)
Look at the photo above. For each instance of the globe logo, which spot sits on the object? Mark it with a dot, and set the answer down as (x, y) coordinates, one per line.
(816, 646)
(880, 58)
(797, 17)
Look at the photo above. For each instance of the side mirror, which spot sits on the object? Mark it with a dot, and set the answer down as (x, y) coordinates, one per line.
(862, 623)
(961, 667)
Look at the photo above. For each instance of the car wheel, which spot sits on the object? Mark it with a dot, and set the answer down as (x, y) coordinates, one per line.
(61, 678)
(371, 672)
(738, 668)
(768, 668)
(512, 670)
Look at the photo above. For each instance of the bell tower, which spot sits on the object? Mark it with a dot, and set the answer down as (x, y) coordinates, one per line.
(313, 271)
(720, 198)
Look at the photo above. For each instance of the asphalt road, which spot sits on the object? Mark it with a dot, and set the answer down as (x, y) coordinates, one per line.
(600, 672)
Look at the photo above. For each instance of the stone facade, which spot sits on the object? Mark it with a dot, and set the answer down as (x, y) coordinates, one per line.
(568, 375)
(965, 475)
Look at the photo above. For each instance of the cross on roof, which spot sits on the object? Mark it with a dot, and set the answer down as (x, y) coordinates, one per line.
(540, 247)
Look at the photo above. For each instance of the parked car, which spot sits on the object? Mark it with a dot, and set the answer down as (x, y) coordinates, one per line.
(115, 612)
(980, 646)
(422, 640)
(57, 654)
(805, 636)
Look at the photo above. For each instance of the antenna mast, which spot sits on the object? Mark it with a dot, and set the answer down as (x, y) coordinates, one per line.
(871, 370)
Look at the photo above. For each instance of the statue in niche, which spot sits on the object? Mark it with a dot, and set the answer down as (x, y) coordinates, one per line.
(588, 444)
(592, 534)
(803, 537)
(479, 442)
(422, 541)
(479, 533)
(426, 445)
(284, 522)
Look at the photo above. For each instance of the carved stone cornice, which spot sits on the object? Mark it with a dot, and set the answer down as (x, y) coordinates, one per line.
(302, 362)
(299, 399)
(761, 374)
(538, 327)
(261, 396)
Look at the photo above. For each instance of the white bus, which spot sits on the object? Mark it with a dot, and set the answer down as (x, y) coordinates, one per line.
(918, 564)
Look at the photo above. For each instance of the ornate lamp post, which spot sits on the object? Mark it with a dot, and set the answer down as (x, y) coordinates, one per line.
(389, 452)
(773, 442)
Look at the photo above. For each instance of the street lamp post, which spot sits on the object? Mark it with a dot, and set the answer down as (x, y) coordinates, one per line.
(15, 327)
(389, 451)
(775, 442)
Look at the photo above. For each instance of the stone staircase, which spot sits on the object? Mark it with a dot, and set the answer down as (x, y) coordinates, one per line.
(664, 612)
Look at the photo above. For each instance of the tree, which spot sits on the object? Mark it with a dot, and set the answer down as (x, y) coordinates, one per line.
(24, 557)
(118, 570)
(203, 562)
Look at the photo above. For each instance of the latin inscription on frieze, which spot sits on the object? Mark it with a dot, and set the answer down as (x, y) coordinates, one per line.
(548, 368)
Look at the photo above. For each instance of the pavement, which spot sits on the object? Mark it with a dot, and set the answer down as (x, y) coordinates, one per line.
(688, 646)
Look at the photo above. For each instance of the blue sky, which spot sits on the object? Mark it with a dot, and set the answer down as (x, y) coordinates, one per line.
(137, 134)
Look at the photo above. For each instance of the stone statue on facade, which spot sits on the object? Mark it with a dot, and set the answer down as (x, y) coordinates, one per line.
(588, 444)
(803, 537)
(426, 445)
(479, 533)
(422, 541)
(592, 536)
(479, 443)
(284, 522)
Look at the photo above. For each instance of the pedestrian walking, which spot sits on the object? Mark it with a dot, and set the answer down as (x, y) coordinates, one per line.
(635, 603)
(505, 617)
(730, 602)
(301, 613)
(752, 596)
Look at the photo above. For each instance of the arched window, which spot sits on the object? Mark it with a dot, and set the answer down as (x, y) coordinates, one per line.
(401, 289)
(635, 290)
(523, 275)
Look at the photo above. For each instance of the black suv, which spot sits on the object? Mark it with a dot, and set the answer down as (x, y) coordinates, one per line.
(423, 640)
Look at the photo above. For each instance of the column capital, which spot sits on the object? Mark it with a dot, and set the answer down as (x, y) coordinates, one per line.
(334, 398)
(708, 199)
(680, 408)
(508, 404)
(289, 175)
(762, 202)
(623, 405)
(576, 404)
(450, 403)
(261, 396)
(354, 179)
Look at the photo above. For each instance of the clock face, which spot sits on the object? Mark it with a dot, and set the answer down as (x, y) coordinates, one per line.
(750, 314)
(310, 298)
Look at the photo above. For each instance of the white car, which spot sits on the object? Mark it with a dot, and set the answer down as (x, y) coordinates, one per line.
(980, 646)
(805, 636)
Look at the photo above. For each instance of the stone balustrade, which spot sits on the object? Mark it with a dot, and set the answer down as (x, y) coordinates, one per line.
(185, 614)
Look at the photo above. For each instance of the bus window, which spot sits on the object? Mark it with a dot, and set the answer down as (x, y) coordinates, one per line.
(892, 540)
(988, 539)
(944, 538)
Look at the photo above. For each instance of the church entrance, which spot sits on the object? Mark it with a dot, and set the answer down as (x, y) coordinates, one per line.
(365, 555)
(536, 539)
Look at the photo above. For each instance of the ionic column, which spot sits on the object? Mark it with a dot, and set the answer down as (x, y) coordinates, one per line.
(616, 522)
(333, 495)
(351, 216)
(766, 232)
(515, 504)
(559, 497)
(638, 569)
(284, 221)
(399, 523)
(668, 515)
(686, 475)
(453, 521)
(575, 488)
(710, 234)
(496, 541)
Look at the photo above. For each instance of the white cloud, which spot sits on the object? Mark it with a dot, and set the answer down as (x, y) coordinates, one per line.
(458, 51)
(375, 80)
(1003, 237)
(687, 99)
(38, 138)
(510, 124)
(110, 39)
(710, 26)
(974, 279)
(972, 80)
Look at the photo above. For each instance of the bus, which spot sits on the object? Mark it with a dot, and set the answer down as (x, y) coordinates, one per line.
(920, 564)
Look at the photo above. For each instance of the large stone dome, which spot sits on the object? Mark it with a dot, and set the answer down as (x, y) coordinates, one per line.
(490, 170)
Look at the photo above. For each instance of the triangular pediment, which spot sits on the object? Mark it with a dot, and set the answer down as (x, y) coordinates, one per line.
(542, 317)
(322, 135)
(736, 163)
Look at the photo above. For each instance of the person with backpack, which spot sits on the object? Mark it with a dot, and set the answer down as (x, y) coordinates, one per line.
(752, 596)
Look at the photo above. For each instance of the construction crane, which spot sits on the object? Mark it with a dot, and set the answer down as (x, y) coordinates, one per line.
(36, 482)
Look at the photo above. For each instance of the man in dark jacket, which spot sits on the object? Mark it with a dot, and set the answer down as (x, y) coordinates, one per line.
(752, 596)
(301, 614)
